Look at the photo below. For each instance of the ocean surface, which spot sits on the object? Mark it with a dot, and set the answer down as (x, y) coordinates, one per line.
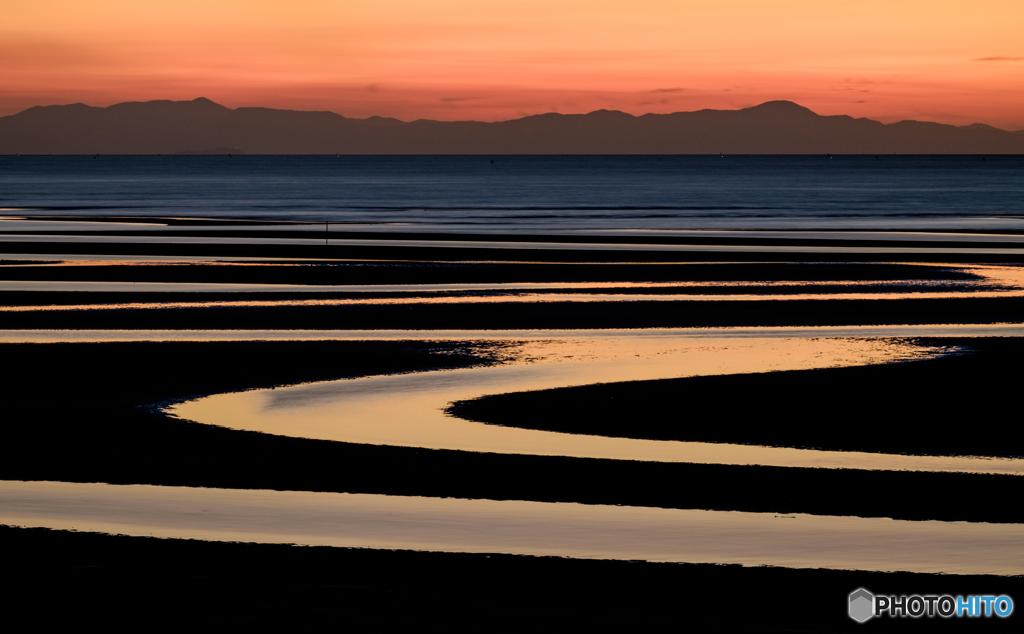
(540, 194)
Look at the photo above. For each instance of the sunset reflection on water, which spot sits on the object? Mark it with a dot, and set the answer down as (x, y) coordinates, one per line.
(408, 409)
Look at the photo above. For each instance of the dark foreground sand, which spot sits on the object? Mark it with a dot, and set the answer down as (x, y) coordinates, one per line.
(85, 413)
(77, 579)
(926, 407)
(74, 421)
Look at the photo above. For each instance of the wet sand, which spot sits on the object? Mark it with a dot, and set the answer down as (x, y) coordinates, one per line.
(116, 434)
(216, 585)
(784, 332)
(516, 316)
(100, 230)
(71, 236)
(110, 440)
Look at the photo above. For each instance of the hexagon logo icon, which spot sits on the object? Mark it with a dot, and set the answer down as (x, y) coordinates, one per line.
(862, 605)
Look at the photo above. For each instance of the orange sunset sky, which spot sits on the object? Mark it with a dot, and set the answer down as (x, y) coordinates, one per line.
(952, 61)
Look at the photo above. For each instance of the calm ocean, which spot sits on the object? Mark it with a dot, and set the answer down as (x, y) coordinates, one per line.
(544, 194)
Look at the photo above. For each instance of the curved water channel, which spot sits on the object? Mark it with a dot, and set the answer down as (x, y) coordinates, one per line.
(409, 409)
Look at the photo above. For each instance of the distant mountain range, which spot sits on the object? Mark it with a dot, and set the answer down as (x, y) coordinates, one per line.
(204, 127)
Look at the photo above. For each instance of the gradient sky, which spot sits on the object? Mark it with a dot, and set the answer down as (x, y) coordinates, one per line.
(952, 61)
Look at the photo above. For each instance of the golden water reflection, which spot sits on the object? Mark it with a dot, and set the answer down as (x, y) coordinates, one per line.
(518, 527)
(408, 409)
(989, 282)
(919, 330)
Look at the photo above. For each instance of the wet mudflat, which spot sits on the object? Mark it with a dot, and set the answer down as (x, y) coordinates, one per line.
(117, 434)
(206, 585)
(110, 440)
(925, 331)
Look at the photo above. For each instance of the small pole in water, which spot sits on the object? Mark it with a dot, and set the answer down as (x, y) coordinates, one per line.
(327, 231)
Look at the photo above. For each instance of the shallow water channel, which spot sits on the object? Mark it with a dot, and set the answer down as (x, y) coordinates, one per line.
(518, 527)
(409, 409)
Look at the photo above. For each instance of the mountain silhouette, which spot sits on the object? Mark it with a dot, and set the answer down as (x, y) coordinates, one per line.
(204, 127)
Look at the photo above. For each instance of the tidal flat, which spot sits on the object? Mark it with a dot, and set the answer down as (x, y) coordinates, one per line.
(93, 376)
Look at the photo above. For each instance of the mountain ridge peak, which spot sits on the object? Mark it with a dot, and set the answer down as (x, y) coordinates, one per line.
(202, 125)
